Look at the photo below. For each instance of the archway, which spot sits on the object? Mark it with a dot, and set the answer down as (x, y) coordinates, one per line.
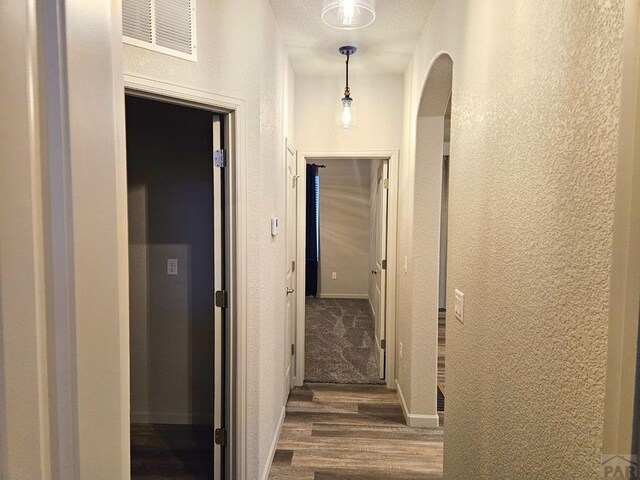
(426, 243)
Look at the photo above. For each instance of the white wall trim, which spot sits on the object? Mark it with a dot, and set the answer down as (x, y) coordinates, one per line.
(621, 379)
(352, 296)
(274, 445)
(415, 419)
(392, 156)
(236, 109)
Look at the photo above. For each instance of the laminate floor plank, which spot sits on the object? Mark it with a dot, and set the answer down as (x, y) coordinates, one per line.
(353, 432)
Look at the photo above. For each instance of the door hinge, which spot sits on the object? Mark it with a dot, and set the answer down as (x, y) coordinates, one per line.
(386, 183)
(222, 299)
(384, 264)
(220, 437)
(383, 344)
(293, 349)
(293, 266)
(220, 158)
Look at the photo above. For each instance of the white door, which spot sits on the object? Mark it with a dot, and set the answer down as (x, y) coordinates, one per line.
(380, 272)
(220, 313)
(291, 267)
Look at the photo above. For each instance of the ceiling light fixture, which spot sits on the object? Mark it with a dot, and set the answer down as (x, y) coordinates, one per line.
(347, 114)
(349, 14)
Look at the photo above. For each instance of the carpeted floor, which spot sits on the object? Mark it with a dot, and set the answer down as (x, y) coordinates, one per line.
(340, 342)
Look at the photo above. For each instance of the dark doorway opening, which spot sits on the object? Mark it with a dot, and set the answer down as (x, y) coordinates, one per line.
(171, 204)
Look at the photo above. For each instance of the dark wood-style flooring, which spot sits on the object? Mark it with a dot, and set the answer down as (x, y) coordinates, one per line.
(171, 452)
(353, 432)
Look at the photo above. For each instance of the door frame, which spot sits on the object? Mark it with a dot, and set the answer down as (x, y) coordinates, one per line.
(391, 156)
(291, 378)
(235, 396)
(621, 392)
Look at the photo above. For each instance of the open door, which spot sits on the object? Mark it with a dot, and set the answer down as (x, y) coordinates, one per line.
(291, 277)
(221, 436)
(380, 272)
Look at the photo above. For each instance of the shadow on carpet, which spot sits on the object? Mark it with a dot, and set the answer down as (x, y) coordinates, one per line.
(340, 342)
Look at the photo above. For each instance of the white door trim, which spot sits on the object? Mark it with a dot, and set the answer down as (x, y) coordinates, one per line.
(238, 240)
(290, 376)
(392, 157)
(625, 272)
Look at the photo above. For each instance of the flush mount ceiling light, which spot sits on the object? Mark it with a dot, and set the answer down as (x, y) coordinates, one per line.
(347, 114)
(349, 14)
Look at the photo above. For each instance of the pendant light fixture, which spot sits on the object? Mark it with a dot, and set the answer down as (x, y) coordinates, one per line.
(347, 113)
(349, 14)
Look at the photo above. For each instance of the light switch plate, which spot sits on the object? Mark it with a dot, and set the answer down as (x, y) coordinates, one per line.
(172, 266)
(334, 275)
(275, 226)
(458, 305)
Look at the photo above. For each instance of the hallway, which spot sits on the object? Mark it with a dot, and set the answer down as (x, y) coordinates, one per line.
(536, 104)
(353, 432)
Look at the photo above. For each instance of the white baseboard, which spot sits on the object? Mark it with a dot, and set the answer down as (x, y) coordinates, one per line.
(354, 296)
(417, 420)
(274, 445)
(172, 418)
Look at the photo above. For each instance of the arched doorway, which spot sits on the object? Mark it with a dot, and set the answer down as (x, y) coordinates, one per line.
(428, 245)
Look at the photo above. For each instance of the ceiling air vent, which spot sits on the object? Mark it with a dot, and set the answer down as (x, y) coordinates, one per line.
(165, 26)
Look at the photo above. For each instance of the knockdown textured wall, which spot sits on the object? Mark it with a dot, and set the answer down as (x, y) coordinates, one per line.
(536, 92)
(241, 54)
(344, 228)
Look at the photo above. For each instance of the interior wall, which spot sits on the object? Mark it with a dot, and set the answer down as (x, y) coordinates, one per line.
(170, 217)
(242, 56)
(532, 180)
(344, 228)
(377, 105)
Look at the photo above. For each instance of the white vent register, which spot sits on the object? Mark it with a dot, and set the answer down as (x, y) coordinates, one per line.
(165, 26)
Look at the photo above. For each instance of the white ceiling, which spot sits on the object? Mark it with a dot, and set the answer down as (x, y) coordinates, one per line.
(383, 48)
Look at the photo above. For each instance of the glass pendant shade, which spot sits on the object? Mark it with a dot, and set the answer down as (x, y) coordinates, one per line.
(349, 14)
(347, 116)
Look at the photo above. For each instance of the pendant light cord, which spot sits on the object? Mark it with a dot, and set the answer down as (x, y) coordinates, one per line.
(347, 92)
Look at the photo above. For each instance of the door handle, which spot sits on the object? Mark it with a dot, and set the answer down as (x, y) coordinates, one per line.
(290, 291)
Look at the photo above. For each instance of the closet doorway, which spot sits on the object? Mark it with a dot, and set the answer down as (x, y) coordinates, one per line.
(347, 237)
(178, 334)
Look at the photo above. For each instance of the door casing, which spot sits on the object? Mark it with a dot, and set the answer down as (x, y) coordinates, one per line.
(235, 396)
(391, 156)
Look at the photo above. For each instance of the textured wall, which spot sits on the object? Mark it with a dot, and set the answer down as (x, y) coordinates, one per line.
(344, 227)
(533, 148)
(240, 53)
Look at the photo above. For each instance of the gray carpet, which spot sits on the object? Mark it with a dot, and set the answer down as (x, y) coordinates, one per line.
(340, 342)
